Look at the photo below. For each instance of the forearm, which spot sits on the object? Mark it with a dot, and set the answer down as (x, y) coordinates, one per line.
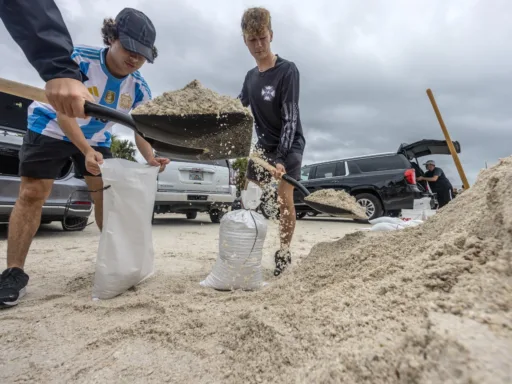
(144, 147)
(73, 132)
(39, 30)
(289, 112)
(290, 116)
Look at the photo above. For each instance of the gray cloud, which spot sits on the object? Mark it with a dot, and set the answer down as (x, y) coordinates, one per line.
(364, 69)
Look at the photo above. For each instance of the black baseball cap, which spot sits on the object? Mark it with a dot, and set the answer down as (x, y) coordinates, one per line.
(136, 32)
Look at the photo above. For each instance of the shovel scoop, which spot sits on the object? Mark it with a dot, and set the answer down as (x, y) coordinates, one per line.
(320, 207)
(185, 137)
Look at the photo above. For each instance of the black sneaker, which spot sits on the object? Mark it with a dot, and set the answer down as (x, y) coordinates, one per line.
(282, 259)
(13, 283)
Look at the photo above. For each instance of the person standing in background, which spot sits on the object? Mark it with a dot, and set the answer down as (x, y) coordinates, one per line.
(438, 182)
(39, 30)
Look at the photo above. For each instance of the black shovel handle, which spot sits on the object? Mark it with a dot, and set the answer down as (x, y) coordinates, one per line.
(290, 180)
(105, 113)
(91, 109)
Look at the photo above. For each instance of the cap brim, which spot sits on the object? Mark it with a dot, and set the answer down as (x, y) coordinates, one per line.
(133, 45)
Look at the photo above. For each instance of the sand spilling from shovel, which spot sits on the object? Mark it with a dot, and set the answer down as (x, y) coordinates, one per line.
(337, 199)
(428, 304)
(194, 98)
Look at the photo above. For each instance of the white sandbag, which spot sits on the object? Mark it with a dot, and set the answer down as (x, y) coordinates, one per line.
(125, 252)
(385, 219)
(383, 227)
(241, 238)
(411, 223)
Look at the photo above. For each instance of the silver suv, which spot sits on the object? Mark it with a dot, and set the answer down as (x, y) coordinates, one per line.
(189, 187)
(69, 201)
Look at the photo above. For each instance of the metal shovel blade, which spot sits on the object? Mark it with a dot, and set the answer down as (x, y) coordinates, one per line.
(328, 209)
(199, 137)
(323, 208)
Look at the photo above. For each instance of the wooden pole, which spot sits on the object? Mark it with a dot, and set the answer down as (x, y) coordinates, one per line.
(448, 140)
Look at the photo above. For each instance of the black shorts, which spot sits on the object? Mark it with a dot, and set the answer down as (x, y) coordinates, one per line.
(292, 166)
(43, 157)
(444, 196)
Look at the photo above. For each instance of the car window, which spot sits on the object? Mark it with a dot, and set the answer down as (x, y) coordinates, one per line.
(324, 171)
(340, 169)
(304, 173)
(383, 163)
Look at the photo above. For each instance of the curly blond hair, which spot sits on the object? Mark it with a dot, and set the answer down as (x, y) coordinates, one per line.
(255, 20)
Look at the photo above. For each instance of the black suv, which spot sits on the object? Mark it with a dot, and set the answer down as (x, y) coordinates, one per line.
(384, 183)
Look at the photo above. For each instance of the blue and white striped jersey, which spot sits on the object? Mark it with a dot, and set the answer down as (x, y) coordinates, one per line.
(121, 94)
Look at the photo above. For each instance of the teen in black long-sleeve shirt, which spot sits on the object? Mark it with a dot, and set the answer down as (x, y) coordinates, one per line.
(272, 91)
(39, 30)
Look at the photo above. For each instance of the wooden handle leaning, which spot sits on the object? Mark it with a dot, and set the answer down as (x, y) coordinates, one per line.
(23, 90)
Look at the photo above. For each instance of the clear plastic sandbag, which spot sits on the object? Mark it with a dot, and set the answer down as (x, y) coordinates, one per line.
(241, 238)
(125, 252)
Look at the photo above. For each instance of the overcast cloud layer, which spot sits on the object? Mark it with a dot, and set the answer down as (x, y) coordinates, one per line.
(365, 66)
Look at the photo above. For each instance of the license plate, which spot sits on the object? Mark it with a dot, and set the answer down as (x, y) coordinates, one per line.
(195, 176)
(197, 197)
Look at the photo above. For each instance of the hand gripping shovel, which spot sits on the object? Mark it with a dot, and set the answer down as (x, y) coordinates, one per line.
(186, 137)
(324, 208)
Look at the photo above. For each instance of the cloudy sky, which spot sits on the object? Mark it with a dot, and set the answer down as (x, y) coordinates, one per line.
(365, 66)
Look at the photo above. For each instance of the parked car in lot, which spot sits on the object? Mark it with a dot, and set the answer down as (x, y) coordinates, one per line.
(383, 184)
(189, 187)
(69, 201)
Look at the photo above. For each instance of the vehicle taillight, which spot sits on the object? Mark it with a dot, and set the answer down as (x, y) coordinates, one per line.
(232, 177)
(81, 203)
(410, 176)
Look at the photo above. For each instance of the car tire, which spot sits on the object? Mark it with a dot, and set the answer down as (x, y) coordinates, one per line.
(300, 215)
(216, 215)
(191, 215)
(73, 224)
(371, 203)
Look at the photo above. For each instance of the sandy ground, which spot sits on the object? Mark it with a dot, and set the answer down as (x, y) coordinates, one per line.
(57, 334)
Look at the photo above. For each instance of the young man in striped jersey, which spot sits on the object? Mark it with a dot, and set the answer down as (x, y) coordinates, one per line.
(52, 138)
(272, 91)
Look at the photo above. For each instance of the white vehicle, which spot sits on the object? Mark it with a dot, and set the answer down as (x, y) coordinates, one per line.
(189, 187)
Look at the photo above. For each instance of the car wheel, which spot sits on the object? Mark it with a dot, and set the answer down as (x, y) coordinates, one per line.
(371, 203)
(191, 215)
(216, 215)
(74, 223)
(300, 215)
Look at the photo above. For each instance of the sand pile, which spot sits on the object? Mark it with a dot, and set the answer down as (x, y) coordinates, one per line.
(194, 98)
(428, 304)
(337, 199)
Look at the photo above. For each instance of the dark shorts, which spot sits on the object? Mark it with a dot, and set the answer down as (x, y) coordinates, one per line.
(444, 196)
(43, 157)
(292, 166)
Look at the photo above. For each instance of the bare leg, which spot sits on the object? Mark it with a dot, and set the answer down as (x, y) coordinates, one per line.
(95, 183)
(287, 214)
(26, 218)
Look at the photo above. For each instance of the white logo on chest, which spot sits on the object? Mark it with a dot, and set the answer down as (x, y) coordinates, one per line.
(268, 92)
